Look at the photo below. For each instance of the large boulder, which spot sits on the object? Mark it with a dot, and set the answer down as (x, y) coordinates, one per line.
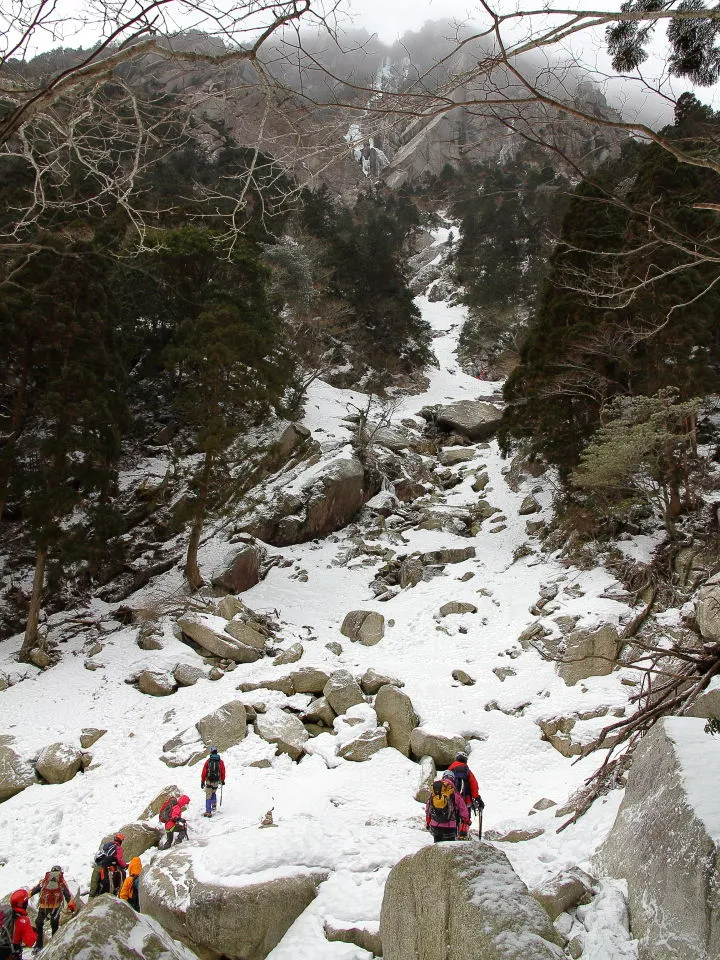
(245, 634)
(707, 609)
(478, 908)
(565, 891)
(308, 680)
(394, 708)
(364, 746)
(224, 727)
(236, 922)
(59, 762)
(428, 774)
(371, 681)
(440, 746)
(153, 808)
(474, 419)
(342, 691)
(365, 626)
(156, 683)
(209, 633)
(666, 842)
(109, 929)
(139, 837)
(285, 730)
(589, 653)
(242, 571)
(15, 773)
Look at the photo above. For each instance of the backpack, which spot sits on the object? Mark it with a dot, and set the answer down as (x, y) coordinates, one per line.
(166, 809)
(442, 802)
(213, 774)
(107, 854)
(51, 889)
(462, 779)
(7, 928)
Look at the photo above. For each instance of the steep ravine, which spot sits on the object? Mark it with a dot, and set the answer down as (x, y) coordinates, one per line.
(345, 822)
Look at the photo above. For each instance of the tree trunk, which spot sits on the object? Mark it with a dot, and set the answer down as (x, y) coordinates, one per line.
(31, 630)
(7, 455)
(192, 570)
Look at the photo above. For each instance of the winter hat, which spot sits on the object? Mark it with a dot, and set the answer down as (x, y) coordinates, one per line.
(461, 756)
(213, 749)
(449, 775)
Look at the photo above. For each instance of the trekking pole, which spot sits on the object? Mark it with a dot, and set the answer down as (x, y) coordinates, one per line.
(221, 790)
(480, 813)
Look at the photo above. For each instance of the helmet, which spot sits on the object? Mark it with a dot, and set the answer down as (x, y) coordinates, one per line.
(119, 837)
(461, 756)
(19, 899)
(56, 869)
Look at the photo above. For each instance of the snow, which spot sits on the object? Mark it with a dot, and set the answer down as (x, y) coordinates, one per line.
(699, 756)
(354, 820)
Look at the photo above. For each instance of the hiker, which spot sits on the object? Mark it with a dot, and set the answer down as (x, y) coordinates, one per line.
(16, 931)
(108, 873)
(445, 810)
(467, 787)
(212, 777)
(52, 888)
(130, 888)
(171, 815)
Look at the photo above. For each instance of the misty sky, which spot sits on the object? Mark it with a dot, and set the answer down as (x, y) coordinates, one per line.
(391, 18)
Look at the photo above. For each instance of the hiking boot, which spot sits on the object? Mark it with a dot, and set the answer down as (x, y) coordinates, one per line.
(207, 814)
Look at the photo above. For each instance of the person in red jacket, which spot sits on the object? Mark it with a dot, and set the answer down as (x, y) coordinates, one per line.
(23, 934)
(212, 777)
(175, 825)
(467, 787)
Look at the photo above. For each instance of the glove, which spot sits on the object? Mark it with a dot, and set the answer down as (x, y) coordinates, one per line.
(202, 785)
(222, 784)
(71, 906)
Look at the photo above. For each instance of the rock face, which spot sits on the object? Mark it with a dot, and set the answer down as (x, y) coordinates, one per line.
(707, 609)
(59, 762)
(439, 746)
(239, 923)
(15, 773)
(395, 708)
(666, 843)
(208, 633)
(224, 727)
(591, 653)
(242, 572)
(109, 929)
(474, 419)
(365, 626)
(342, 692)
(285, 730)
(479, 908)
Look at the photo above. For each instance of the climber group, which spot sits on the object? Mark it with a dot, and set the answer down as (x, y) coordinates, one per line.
(453, 798)
(16, 930)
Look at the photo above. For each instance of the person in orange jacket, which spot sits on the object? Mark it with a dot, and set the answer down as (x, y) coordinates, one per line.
(130, 890)
(52, 888)
(23, 934)
(467, 787)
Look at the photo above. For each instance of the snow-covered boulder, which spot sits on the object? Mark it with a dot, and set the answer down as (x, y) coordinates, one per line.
(564, 891)
(666, 842)
(109, 929)
(242, 571)
(364, 626)
(342, 692)
(293, 653)
(440, 746)
(237, 922)
(428, 773)
(224, 727)
(394, 708)
(474, 419)
(456, 606)
(245, 634)
(187, 675)
(589, 653)
(59, 762)
(308, 680)
(15, 773)
(209, 633)
(464, 901)
(529, 505)
(364, 746)
(89, 736)
(153, 808)
(371, 681)
(319, 711)
(451, 456)
(156, 683)
(284, 730)
(139, 837)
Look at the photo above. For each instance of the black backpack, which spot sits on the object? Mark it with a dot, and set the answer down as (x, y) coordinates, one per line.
(462, 779)
(107, 854)
(7, 929)
(213, 774)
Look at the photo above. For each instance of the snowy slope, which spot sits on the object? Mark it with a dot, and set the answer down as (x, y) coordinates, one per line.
(355, 819)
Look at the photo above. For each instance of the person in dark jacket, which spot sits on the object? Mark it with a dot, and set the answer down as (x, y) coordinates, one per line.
(467, 787)
(52, 888)
(23, 934)
(109, 876)
(212, 777)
